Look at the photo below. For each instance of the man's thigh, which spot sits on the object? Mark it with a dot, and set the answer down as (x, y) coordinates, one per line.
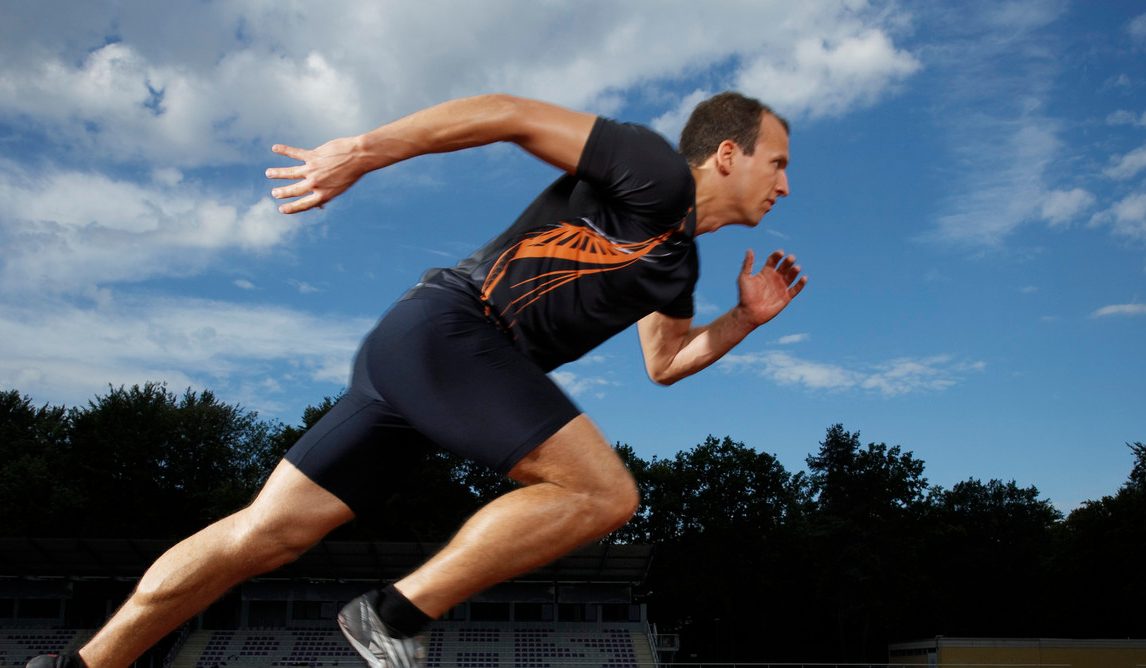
(462, 383)
(358, 450)
(576, 457)
(431, 374)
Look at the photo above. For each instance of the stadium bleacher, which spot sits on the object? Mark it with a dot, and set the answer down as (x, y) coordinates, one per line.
(578, 611)
(19, 645)
(465, 645)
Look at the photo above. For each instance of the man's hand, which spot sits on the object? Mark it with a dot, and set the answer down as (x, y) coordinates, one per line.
(674, 349)
(765, 294)
(326, 172)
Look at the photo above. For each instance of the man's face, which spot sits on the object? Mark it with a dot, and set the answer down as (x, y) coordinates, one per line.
(762, 178)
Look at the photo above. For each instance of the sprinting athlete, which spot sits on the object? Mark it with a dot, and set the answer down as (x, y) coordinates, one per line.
(460, 361)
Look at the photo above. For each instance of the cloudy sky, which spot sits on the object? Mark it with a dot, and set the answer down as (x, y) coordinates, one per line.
(968, 201)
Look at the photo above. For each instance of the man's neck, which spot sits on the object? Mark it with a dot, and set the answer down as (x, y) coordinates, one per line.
(710, 215)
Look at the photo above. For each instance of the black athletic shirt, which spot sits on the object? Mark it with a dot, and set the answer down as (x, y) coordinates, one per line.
(594, 253)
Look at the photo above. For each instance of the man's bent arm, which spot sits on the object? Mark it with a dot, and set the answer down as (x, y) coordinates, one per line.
(674, 349)
(554, 134)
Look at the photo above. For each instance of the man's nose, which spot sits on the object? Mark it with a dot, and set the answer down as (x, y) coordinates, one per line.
(782, 188)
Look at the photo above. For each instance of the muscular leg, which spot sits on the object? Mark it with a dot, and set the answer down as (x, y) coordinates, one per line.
(290, 515)
(577, 489)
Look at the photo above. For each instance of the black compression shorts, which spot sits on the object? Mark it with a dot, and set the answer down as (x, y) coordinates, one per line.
(435, 371)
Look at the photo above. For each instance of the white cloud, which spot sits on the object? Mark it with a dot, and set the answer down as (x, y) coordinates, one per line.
(1062, 206)
(122, 105)
(894, 378)
(792, 338)
(1120, 81)
(585, 377)
(991, 204)
(1007, 152)
(303, 287)
(70, 352)
(205, 83)
(902, 376)
(827, 71)
(244, 284)
(1137, 27)
(167, 176)
(672, 121)
(787, 370)
(706, 308)
(66, 231)
(1127, 166)
(828, 77)
(1124, 117)
(577, 384)
(1119, 309)
(1127, 218)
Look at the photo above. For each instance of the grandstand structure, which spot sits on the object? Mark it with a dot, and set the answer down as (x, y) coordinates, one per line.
(579, 611)
(1048, 652)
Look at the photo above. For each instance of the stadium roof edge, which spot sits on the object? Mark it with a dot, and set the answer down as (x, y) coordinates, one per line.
(349, 560)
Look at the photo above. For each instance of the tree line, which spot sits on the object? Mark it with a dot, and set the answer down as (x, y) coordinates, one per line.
(752, 561)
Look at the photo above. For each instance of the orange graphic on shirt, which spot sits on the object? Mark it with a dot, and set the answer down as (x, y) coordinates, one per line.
(591, 250)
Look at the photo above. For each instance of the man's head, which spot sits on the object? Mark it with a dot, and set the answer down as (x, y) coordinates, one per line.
(730, 116)
(738, 149)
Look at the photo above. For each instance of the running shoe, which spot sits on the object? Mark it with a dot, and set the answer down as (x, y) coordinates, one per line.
(57, 661)
(372, 639)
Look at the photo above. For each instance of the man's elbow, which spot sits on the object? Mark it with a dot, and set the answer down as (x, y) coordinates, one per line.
(662, 377)
(505, 108)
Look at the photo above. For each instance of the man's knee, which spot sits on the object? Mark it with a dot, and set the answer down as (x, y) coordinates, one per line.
(289, 516)
(623, 501)
(608, 503)
(269, 541)
(579, 459)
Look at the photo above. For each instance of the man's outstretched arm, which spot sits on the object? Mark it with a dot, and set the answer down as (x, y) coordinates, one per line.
(674, 349)
(554, 134)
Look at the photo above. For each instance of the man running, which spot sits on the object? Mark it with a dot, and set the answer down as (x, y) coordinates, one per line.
(460, 361)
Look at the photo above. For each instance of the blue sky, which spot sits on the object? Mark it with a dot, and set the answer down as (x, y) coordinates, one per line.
(968, 201)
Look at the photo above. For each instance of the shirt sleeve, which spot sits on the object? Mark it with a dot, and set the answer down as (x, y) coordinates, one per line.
(638, 170)
(681, 307)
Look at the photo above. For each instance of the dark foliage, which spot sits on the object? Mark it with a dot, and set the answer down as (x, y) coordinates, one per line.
(1099, 561)
(752, 562)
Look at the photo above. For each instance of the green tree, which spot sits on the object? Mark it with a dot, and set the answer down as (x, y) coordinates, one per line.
(718, 488)
(717, 514)
(1099, 563)
(637, 530)
(285, 436)
(34, 495)
(157, 465)
(989, 547)
(1138, 471)
(861, 541)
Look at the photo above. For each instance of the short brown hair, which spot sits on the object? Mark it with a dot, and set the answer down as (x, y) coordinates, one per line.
(728, 115)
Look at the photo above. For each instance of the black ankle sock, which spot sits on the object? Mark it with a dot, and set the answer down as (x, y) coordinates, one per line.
(398, 613)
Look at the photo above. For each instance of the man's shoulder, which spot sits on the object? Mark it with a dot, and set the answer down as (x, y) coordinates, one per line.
(639, 168)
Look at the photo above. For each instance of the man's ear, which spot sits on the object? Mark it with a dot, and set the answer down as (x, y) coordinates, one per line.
(725, 155)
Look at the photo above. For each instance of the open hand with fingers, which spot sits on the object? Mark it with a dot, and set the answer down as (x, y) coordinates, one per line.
(326, 172)
(765, 293)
